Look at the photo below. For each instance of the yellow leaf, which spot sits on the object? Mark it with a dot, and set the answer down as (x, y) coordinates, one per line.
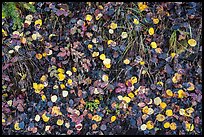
(192, 42)
(133, 80)
(145, 110)
(60, 70)
(108, 65)
(43, 78)
(3, 15)
(88, 17)
(181, 93)
(61, 77)
(99, 16)
(113, 118)
(100, 7)
(173, 126)
(160, 117)
(189, 127)
(136, 21)
(60, 122)
(35, 85)
(39, 21)
(151, 31)
(113, 25)
(96, 101)
(142, 62)
(105, 78)
(192, 87)
(153, 45)
(40, 86)
(126, 61)
(166, 125)
(169, 92)
(142, 6)
(3, 120)
(150, 125)
(189, 110)
(163, 105)
(31, 3)
(110, 42)
(43, 97)
(45, 117)
(90, 46)
(160, 83)
(97, 118)
(74, 69)
(176, 77)
(5, 95)
(173, 54)
(62, 86)
(131, 95)
(169, 112)
(136, 91)
(56, 111)
(155, 20)
(126, 99)
(54, 98)
(95, 54)
(4, 32)
(69, 81)
(16, 126)
(187, 114)
(102, 56)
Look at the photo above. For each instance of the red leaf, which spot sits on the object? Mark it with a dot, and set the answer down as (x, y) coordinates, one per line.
(61, 54)
(118, 90)
(5, 66)
(141, 104)
(62, 49)
(20, 107)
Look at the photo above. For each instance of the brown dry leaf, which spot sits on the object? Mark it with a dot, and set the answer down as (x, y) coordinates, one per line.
(94, 126)
(90, 115)
(89, 35)
(23, 40)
